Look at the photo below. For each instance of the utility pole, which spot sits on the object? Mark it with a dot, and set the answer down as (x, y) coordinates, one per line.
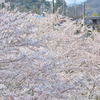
(83, 13)
(52, 6)
(41, 9)
(68, 11)
(75, 7)
(1, 6)
(63, 7)
(1, 2)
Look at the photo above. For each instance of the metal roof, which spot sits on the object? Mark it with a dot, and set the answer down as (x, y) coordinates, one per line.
(94, 17)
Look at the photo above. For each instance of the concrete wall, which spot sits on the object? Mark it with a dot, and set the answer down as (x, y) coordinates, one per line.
(98, 22)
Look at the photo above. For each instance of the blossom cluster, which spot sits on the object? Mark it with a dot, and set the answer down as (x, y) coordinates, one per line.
(42, 59)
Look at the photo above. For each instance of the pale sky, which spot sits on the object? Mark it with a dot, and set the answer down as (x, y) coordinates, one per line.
(72, 1)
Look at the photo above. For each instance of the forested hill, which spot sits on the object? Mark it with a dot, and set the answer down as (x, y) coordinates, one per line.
(20, 0)
(35, 6)
(38, 6)
(29, 5)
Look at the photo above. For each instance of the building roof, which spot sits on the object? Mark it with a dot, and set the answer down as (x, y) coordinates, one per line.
(94, 17)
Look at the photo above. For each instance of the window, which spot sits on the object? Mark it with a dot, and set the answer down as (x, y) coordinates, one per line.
(95, 21)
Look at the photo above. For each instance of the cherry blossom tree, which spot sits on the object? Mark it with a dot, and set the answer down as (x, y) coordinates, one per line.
(43, 59)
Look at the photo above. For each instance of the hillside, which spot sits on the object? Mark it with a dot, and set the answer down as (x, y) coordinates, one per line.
(34, 6)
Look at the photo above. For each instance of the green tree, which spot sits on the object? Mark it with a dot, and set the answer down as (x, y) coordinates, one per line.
(94, 14)
(58, 4)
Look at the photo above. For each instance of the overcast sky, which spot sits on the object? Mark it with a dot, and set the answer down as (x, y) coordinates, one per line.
(72, 1)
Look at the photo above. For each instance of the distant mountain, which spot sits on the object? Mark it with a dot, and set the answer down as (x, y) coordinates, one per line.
(94, 3)
(89, 1)
(93, 6)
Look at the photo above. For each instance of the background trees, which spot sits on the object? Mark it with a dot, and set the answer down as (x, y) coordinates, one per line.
(36, 5)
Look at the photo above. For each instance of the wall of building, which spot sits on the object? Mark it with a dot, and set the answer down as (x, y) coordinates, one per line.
(98, 22)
